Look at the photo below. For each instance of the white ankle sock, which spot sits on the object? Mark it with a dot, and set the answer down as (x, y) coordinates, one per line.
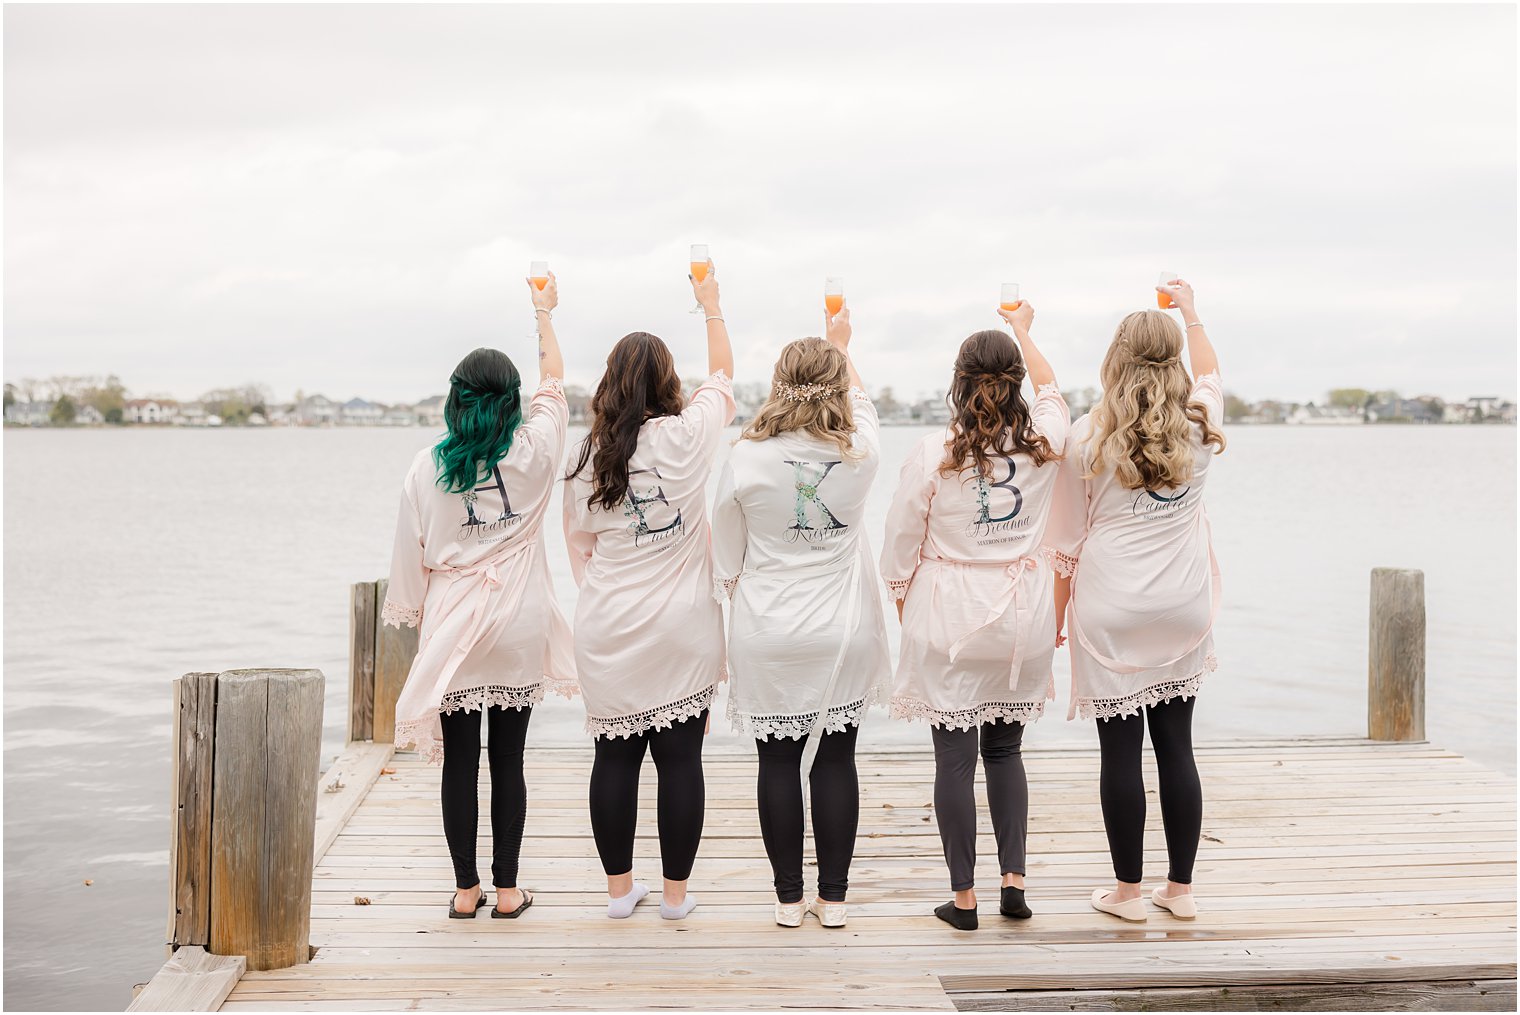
(622, 909)
(669, 912)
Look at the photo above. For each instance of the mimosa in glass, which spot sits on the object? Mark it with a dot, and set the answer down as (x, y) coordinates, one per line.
(1010, 300)
(1162, 299)
(538, 271)
(833, 295)
(700, 262)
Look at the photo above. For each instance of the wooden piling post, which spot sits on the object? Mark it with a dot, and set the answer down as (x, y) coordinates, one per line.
(1396, 655)
(363, 611)
(190, 821)
(263, 813)
(395, 647)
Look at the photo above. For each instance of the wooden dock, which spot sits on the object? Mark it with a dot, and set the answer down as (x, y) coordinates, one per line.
(1334, 874)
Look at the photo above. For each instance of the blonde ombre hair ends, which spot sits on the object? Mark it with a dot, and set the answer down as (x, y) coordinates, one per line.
(1143, 424)
(810, 392)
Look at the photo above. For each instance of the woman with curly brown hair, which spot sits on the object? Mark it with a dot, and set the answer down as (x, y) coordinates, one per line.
(1139, 585)
(807, 646)
(648, 636)
(961, 558)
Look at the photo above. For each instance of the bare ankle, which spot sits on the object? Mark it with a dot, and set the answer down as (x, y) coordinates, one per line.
(966, 899)
(1013, 881)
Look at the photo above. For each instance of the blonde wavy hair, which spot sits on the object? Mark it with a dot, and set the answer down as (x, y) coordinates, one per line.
(1143, 424)
(810, 391)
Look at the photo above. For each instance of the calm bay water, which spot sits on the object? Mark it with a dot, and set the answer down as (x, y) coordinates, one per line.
(132, 556)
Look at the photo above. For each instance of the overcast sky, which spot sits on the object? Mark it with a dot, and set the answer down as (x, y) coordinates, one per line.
(345, 199)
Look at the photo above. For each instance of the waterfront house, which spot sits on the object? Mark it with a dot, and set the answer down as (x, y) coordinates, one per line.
(257, 419)
(316, 410)
(358, 412)
(1325, 415)
(29, 413)
(149, 410)
(88, 415)
(429, 411)
(1403, 410)
(399, 415)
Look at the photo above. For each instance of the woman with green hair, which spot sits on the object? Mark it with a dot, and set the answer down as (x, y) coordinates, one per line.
(469, 568)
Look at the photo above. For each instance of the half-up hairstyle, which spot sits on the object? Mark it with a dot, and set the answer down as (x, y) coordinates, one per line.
(988, 415)
(640, 384)
(810, 392)
(482, 412)
(1143, 424)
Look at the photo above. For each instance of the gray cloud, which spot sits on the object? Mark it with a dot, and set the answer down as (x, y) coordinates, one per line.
(346, 198)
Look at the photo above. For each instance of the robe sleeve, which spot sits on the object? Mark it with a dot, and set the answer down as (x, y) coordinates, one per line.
(407, 589)
(578, 541)
(712, 408)
(545, 425)
(1067, 530)
(730, 536)
(907, 522)
(867, 423)
(1209, 391)
(1050, 417)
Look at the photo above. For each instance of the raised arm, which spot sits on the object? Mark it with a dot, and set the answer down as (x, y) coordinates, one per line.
(720, 352)
(1201, 354)
(550, 362)
(1038, 367)
(837, 330)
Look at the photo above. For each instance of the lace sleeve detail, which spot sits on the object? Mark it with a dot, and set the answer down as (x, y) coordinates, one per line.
(1064, 564)
(394, 614)
(859, 395)
(723, 588)
(552, 386)
(898, 590)
(1048, 389)
(720, 380)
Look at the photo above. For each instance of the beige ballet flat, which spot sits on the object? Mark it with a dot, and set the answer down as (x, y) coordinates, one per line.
(1132, 910)
(1183, 907)
(830, 914)
(789, 914)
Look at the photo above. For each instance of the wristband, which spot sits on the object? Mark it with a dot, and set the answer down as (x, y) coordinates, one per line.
(542, 310)
(715, 319)
(1195, 324)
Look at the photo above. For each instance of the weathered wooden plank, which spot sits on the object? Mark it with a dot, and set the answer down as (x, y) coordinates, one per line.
(343, 788)
(1438, 995)
(190, 827)
(192, 980)
(363, 614)
(395, 647)
(1396, 655)
(268, 740)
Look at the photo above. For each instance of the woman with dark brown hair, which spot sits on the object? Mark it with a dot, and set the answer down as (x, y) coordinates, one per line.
(648, 635)
(961, 558)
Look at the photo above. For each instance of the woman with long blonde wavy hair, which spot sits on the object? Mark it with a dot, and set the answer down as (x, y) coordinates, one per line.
(1138, 586)
(807, 647)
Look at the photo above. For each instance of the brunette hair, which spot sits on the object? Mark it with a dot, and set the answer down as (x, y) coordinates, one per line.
(988, 413)
(810, 391)
(483, 411)
(640, 384)
(1143, 424)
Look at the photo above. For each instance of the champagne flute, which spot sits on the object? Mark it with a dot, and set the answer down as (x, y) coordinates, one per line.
(833, 295)
(1010, 300)
(538, 271)
(1162, 299)
(700, 262)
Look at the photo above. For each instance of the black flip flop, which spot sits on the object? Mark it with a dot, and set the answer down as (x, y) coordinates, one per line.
(527, 901)
(455, 914)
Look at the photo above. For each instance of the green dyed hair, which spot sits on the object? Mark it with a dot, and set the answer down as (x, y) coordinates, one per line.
(483, 411)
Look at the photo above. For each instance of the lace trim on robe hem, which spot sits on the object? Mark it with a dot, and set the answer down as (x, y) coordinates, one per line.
(795, 727)
(660, 718)
(394, 614)
(897, 591)
(1063, 564)
(723, 588)
(1156, 694)
(1022, 712)
(475, 699)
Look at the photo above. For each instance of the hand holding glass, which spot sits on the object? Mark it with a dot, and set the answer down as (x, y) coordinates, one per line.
(1010, 300)
(700, 262)
(833, 295)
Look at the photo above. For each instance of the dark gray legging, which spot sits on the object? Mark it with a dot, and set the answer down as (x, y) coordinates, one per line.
(955, 796)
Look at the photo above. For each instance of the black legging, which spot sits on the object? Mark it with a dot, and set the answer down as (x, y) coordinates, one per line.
(955, 796)
(836, 811)
(1122, 789)
(509, 791)
(680, 802)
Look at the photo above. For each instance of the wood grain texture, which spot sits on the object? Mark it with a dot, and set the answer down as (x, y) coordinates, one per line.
(1332, 866)
(395, 648)
(192, 980)
(1439, 995)
(268, 737)
(343, 787)
(1396, 655)
(362, 620)
(190, 825)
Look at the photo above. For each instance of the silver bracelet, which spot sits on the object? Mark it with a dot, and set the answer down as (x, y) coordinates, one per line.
(1195, 324)
(715, 318)
(541, 310)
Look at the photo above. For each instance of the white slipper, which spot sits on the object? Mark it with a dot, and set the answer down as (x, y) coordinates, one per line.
(1133, 910)
(1183, 907)
(830, 914)
(789, 914)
